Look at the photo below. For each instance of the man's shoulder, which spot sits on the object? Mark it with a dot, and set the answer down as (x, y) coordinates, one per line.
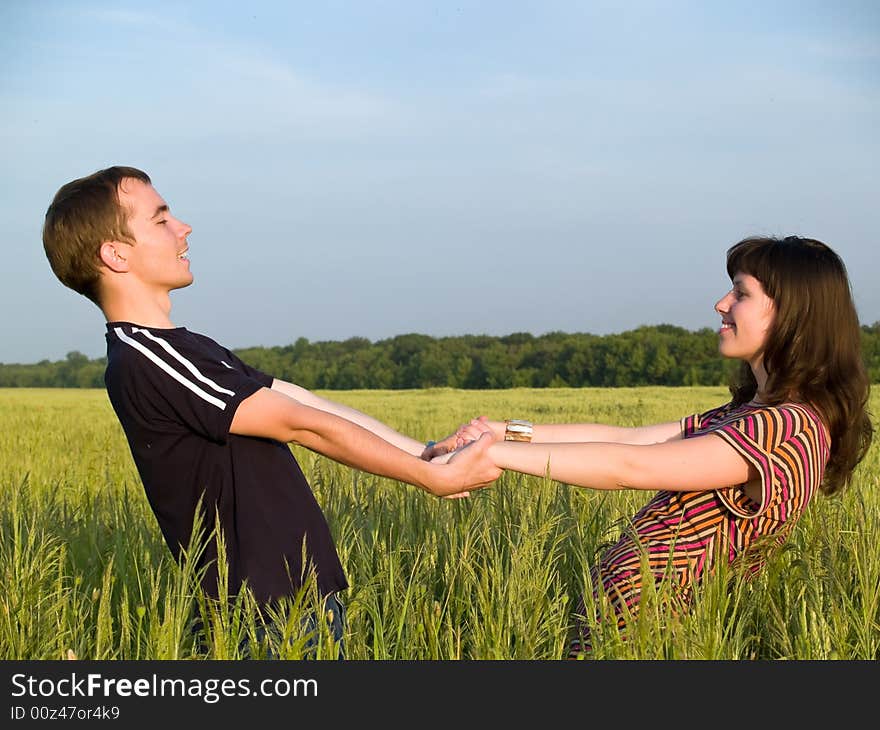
(130, 340)
(118, 351)
(168, 359)
(133, 350)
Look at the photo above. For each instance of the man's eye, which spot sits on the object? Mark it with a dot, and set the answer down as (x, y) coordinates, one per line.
(159, 223)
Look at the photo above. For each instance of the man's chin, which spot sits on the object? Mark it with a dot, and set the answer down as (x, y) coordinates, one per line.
(183, 284)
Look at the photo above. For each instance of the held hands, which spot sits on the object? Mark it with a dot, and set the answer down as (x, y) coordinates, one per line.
(472, 431)
(466, 468)
(464, 434)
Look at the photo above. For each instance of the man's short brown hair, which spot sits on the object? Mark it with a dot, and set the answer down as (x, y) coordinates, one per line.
(84, 214)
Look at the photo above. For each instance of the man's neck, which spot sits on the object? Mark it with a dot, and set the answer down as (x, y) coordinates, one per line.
(147, 311)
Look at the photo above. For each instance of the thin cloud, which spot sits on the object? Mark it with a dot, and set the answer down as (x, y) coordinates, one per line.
(860, 49)
(118, 16)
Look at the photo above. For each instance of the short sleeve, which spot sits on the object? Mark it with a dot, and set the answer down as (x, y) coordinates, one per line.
(251, 372)
(785, 444)
(697, 421)
(181, 383)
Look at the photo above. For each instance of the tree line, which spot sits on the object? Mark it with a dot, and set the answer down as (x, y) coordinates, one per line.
(649, 355)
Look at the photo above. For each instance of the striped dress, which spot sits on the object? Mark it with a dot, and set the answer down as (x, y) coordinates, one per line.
(679, 534)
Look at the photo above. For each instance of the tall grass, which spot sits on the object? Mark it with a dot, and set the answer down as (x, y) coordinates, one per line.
(84, 571)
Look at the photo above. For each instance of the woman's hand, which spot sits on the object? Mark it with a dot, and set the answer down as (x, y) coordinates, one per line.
(434, 449)
(463, 435)
(472, 431)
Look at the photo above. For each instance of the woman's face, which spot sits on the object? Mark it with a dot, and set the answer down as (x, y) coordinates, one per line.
(746, 317)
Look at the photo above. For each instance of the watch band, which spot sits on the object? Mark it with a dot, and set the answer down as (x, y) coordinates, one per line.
(516, 429)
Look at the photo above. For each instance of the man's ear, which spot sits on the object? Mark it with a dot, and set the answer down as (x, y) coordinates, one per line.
(114, 256)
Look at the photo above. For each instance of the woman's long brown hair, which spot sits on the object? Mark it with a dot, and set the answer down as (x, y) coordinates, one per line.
(813, 353)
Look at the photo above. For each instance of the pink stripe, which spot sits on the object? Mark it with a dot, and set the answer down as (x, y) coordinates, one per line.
(699, 510)
(805, 460)
(788, 422)
(681, 546)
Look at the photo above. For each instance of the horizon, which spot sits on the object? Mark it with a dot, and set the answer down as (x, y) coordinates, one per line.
(422, 334)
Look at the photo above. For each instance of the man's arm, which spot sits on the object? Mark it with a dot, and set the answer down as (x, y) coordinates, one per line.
(306, 397)
(272, 414)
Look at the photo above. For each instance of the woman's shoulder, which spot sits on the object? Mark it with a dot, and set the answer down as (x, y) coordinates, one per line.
(722, 414)
(778, 422)
(794, 418)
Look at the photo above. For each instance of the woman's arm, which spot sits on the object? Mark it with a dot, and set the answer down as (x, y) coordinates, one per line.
(702, 462)
(571, 433)
(383, 431)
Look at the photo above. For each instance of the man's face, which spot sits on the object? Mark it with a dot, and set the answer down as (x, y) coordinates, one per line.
(159, 257)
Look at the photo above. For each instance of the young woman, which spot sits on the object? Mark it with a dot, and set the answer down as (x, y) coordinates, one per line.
(744, 471)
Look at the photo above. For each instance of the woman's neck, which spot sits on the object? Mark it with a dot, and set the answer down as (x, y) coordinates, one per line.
(760, 375)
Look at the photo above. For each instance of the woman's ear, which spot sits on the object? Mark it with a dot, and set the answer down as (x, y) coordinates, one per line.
(113, 256)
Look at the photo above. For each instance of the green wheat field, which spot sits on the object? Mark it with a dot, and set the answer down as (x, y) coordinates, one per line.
(84, 572)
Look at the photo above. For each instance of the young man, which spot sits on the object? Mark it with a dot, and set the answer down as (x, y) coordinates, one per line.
(202, 424)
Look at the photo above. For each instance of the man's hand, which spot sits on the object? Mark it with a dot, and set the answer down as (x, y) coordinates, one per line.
(465, 469)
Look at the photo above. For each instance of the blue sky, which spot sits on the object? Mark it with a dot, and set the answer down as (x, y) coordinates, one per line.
(376, 168)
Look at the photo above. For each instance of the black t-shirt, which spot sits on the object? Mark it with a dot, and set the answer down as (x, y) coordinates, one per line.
(175, 393)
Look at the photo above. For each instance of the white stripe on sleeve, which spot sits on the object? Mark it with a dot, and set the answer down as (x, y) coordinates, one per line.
(168, 369)
(182, 360)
